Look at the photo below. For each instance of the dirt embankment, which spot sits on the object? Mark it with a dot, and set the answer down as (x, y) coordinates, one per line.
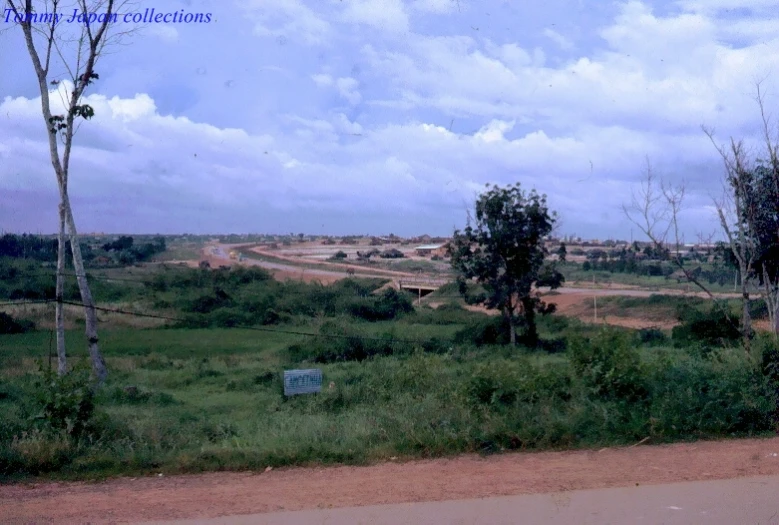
(222, 494)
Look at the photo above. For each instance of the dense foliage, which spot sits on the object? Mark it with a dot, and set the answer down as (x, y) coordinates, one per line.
(505, 252)
(405, 381)
(122, 251)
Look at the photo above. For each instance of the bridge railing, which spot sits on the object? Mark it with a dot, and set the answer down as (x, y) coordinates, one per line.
(412, 283)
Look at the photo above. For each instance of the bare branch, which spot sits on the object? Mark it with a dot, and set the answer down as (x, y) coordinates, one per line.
(653, 208)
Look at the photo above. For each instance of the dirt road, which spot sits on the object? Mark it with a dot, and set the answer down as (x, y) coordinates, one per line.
(338, 271)
(721, 502)
(466, 477)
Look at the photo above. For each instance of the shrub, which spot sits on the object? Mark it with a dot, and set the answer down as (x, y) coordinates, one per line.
(9, 325)
(36, 452)
(338, 342)
(392, 253)
(447, 314)
(389, 305)
(65, 403)
(711, 327)
(768, 350)
(652, 336)
(489, 331)
(722, 394)
(505, 382)
(205, 304)
(609, 365)
(758, 309)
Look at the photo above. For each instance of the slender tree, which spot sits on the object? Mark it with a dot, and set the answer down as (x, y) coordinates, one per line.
(51, 42)
(655, 209)
(749, 213)
(506, 253)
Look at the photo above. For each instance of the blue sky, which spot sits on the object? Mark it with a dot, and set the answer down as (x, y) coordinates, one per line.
(389, 116)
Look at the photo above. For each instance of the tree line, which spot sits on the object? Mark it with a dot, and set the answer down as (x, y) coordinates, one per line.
(123, 251)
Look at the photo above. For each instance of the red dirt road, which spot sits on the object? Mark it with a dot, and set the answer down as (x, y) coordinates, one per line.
(224, 494)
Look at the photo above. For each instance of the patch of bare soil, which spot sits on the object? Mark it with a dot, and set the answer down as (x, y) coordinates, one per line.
(334, 266)
(582, 307)
(222, 494)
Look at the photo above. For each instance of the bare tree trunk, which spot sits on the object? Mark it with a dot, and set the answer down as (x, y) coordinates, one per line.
(512, 331)
(62, 362)
(775, 320)
(98, 363)
(529, 311)
(84, 52)
(771, 299)
(746, 318)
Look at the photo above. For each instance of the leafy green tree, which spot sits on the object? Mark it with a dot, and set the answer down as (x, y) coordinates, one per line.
(506, 254)
(562, 252)
(758, 191)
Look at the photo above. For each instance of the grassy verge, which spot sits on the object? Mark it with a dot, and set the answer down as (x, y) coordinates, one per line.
(574, 273)
(405, 382)
(190, 400)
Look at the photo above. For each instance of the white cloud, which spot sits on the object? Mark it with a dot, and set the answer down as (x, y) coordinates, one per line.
(436, 6)
(288, 19)
(493, 132)
(387, 15)
(713, 6)
(409, 125)
(564, 43)
(640, 77)
(322, 80)
(347, 87)
(164, 32)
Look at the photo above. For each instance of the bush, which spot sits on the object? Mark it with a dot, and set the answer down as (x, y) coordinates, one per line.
(506, 382)
(9, 325)
(758, 309)
(447, 314)
(66, 403)
(489, 331)
(652, 337)
(205, 304)
(338, 342)
(392, 253)
(768, 349)
(710, 327)
(389, 305)
(609, 365)
(719, 395)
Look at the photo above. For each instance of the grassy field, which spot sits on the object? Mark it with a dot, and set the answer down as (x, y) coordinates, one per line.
(398, 382)
(574, 273)
(181, 251)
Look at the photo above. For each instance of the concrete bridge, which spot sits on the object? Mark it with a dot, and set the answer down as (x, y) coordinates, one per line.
(421, 286)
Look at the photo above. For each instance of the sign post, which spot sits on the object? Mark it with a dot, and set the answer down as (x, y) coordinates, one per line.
(302, 382)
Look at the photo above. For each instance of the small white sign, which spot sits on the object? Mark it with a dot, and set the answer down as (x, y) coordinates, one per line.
(302, 381)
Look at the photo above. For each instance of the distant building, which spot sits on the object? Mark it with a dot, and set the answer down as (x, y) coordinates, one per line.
(428, 250)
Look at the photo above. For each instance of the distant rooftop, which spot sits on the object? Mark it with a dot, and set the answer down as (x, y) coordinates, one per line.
(429, 247)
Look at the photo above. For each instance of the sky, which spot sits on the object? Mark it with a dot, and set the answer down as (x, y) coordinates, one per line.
(390, 116)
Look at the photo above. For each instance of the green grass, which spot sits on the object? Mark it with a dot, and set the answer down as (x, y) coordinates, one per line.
(174, 343)
(574, 273)
(212, 400)
(190, 400)
(180, 251)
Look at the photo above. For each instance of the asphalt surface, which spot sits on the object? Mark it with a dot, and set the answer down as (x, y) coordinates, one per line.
(750, 501)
